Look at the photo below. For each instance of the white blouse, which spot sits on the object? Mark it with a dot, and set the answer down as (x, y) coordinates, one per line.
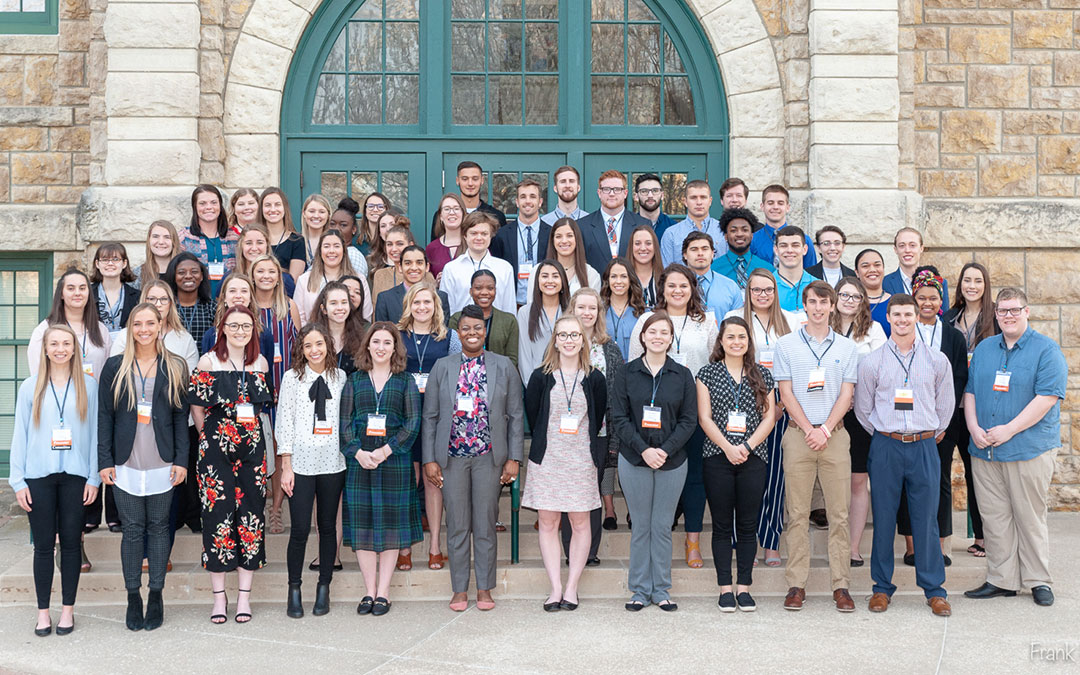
(312, 454)
(693, 343)
(93, 358)
(305, 299)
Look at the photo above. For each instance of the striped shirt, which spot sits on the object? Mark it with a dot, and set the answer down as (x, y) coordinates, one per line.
(797, 354)
(929, 376)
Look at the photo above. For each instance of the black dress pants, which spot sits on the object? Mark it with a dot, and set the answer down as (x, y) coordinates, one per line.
(323, 492)
(56, 508)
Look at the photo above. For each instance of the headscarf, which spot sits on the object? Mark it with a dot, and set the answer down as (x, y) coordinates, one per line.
(926, 278)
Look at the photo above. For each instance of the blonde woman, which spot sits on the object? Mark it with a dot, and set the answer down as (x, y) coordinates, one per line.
(314, 216)
(243, 209)
(53, 467)
(173, 334)
(288, 246)
(330, 264)
(162, 244)
(143, 448)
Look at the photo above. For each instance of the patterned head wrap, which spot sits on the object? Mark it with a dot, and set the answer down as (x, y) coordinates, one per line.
(926, 278)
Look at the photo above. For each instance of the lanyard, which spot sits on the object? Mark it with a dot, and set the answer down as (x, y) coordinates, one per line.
(850, 328)
(573, 387)
(617, 320)
(933, 333)
(422, 354)
(60, 406)
(524, 245)
(764, 328)
(649, 293)
(678, 336)
(1008, 353)
(655, 380)
(142, 378)
(378, 394)
(243, 390)
(802, 333)
(213, 249)
(738, 390)
(487, 330)
(476, 264)
(83, 338)
(114, 311)
(907, 368)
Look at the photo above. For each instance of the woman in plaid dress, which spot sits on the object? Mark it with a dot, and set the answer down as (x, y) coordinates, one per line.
(380, 420)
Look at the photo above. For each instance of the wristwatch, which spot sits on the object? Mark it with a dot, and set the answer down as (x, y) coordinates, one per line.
(747, 446)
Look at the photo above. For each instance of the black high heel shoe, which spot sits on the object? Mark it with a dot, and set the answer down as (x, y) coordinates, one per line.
(219, 619)
(246, 616)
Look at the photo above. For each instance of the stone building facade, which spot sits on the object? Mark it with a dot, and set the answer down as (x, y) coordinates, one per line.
(958, 117)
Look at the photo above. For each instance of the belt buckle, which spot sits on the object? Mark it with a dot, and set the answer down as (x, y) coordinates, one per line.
(909, 438)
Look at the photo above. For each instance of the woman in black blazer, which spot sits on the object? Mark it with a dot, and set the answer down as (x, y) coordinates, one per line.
(565, 402)
(926, 286)
(143, 451)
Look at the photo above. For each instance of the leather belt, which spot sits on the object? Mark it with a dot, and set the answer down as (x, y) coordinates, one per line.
(910, 438)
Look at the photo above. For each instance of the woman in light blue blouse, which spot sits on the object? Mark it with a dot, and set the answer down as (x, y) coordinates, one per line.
(52, 472)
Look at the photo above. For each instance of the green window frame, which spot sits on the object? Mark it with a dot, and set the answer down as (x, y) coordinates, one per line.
(26, 289)
(29, 17)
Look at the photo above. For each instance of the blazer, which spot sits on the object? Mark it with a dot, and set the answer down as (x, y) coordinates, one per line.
(389, 304)
(502, 337)
(116, 426)
(484, 206)
(131, 298)
(677, 399)
(505, 418)
(893, 283)
(505, 243)
(614, 362)
(818, 271)
(954, 346)
(538, 405)
(594, 232)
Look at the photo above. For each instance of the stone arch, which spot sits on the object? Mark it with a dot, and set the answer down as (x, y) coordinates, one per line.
(273, 28)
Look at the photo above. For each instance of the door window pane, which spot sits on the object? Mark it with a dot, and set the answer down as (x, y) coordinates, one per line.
(358, 184)
(21, 281)
(332, 186)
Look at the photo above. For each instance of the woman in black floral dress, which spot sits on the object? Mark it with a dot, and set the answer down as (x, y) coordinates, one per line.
(228, 388)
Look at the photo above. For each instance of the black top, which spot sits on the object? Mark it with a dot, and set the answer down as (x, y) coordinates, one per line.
(676, 396)
(130, 299)
(292, 248)
(818, 271)
(954, 347)
(484, 206)
(197, 318)
(117, 425)
(723, 391)
(388, 306)
(538, 404)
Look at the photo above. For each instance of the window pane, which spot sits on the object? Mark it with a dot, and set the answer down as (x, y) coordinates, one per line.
(674, 185)
(541, 178)
(402, 9)
(26, 288)
(26, 319)
(468, 46)
(678, 102)
(402, 99)
(542, 9)
(335, 60)
(363, 184)
(504, 47)
(7, 323)
(607, 48)
(672, 61)
(643, 48)
(542, 42)
(505, 9)
(607, 10)
(7, 288)
(644, 104)
(607, 100)
(329, 105)
(467, 100)
(33, 6)
(332, 186)
(365, 99)
(395, 185)
(503, 191)
(467, 9)
(403, 47)
(372, 9)
(541, 99)
(637, 11)
(365, 47)
(504, 99)
(9, 5)
(7, 363)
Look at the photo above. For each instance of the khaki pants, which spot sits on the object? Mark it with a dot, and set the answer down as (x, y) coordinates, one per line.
(832, 467)
(1012, 503)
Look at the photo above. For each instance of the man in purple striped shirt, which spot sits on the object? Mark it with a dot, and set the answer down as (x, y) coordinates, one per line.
(905, 398)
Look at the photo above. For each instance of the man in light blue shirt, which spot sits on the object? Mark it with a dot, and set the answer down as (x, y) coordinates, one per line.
(698, 200)
(791, 278)
(738, 226)
(720, 294)
(567, 187)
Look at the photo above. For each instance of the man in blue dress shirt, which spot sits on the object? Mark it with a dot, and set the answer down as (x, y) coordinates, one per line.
(567, 187)
(720, 294)
(738, 226)
(775, 204)
(698, 200)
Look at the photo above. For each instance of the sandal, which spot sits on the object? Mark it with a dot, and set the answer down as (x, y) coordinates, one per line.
(404, 562)
(220, 618)
(245, 615)
(772, 562)
(277, 525)
(435, 561)
(694, 547)
(977, 550)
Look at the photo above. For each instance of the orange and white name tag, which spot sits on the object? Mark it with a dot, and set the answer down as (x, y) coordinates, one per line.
(88, 368)
(766, 359)
(376, 425)
(323, 428)
(277, 353)
(525, 271)
(969, 358)
(143, 412)
(217, 271)
(736, 422)
(61, 439)
(245, 413)
(1001, 381)
(817, 380)
(466, 404)
(568, 424)
(650, 417)
(421, 381)
(904, 399)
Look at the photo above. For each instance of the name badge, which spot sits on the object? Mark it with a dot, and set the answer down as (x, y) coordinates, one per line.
(61, 439)
(736, 422)
(143, 412)
(568, 424)
(88, 368)
(245, 413)
(524, 271)
(421, 381)
(323, 428)
(817, 380)
(1001, 381)
(650, 417)
(376, 425)
(904, 399)
(277, 352)
(217, 271)
(466, 404)
(969, 358)
(678, 358)
(766, 359)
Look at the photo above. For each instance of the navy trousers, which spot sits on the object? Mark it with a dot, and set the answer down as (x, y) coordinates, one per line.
(915, 468)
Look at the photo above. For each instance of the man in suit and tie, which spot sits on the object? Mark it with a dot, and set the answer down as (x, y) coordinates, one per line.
(473, 439)
(830, 241)
(607, 230)
(523, 243)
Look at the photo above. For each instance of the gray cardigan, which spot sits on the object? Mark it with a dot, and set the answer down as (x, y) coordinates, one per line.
(506, 417)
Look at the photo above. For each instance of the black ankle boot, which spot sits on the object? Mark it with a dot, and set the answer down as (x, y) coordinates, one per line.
(295, 607)
(135, 620)
(155, 610)
(322, 600)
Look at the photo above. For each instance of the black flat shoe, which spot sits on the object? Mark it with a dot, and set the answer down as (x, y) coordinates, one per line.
(989, 590)
(592, 562)
(610, 523)
(65, 630)
(669, 606)
(115, 528)
(568, 606)
(634, 606)
(857, 562)
(381, 606)
(88, 528)
(42, 632)
(367, 603)
(909, 559)
(553, 606)
(1042, 595)
(314, 566)
(948, 560)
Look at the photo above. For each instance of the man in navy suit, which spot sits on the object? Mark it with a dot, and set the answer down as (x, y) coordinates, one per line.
(607, 230)
(523, 242)
(909, 249)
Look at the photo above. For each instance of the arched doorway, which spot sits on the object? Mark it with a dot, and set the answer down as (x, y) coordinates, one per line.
(392, 94)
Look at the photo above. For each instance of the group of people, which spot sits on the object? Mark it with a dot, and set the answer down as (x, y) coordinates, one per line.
(697, 362)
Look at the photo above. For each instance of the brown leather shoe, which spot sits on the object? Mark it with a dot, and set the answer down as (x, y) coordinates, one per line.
(794, 599)
(939, 606)
(843, 600)
(879, 602)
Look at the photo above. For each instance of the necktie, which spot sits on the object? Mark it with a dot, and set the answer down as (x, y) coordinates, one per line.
(703, 284)
(528, 243)
(740, 272)
(611, 229)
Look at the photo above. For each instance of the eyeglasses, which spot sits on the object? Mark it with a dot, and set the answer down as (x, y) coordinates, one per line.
(451, 209)
(613, 190)
(650, 192)
(158, 301)
(830, 244)
(1011, 311)
(853, 297)
(111, 261)
(240, 327)
(376, 207)
(763, 291)
(568, 336)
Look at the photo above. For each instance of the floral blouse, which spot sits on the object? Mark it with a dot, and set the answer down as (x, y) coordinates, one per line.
(726, 396)
(470, 435)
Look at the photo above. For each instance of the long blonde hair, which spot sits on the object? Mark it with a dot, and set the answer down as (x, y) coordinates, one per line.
(599, 332)
(551, 355)
(172, 318)
(278, 302)
(438, 326)
(45, 374)
(242, 265)
(175, 367)
(316, 273)
(252, 306)
(777, 321)
(149, 271)
(314, 197)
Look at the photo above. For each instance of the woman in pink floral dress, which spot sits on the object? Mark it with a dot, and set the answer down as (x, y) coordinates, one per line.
(228, 389)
